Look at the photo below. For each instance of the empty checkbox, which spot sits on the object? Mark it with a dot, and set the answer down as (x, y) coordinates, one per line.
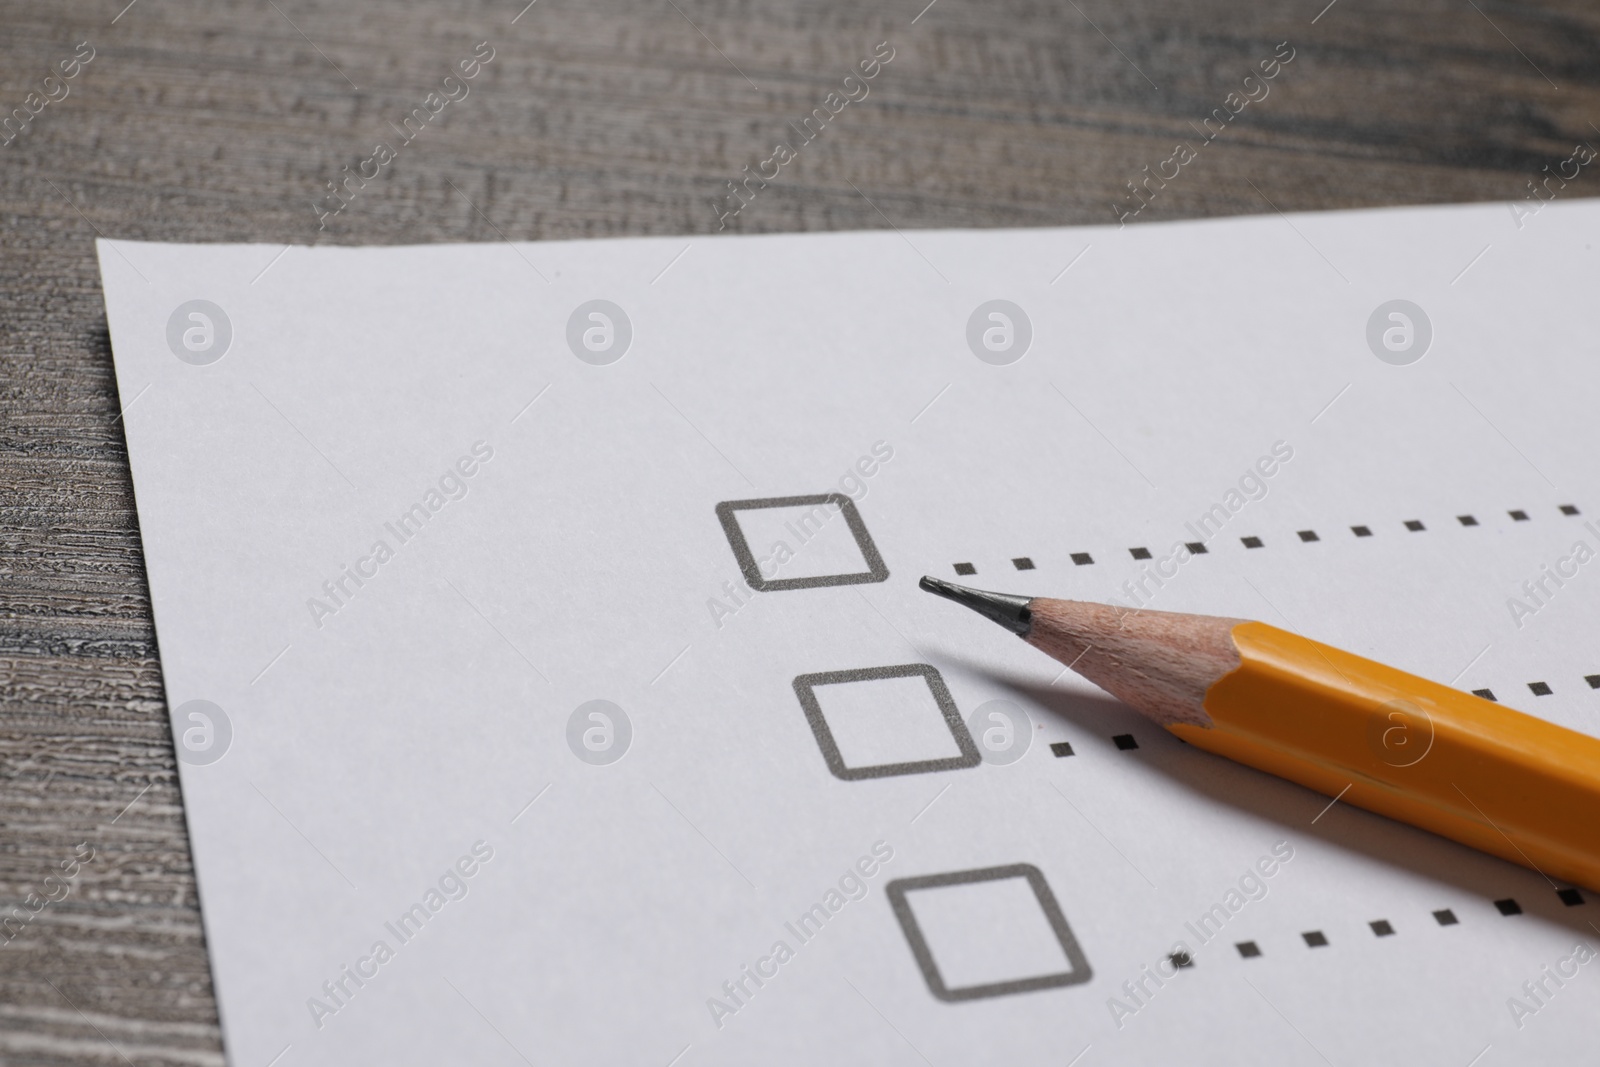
(987, 933)
(800, 542)
(883, 721)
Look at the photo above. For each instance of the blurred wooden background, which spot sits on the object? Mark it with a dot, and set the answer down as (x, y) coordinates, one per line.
(222, 121)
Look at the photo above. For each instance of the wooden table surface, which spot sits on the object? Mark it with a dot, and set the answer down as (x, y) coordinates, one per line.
(223, 122)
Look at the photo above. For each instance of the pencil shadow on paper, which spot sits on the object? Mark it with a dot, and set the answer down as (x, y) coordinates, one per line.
(1305, 813)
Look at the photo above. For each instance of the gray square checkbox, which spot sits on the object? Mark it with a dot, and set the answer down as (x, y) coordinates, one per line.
(882, 721)
(987, 932)
(800, 542)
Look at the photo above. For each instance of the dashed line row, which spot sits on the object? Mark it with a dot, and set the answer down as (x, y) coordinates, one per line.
(1199, 548)
(1124, 742)
(1539, 689)
(1507, 906)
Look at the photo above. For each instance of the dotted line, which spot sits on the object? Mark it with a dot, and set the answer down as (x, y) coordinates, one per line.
(1199, 548)
(1507, 907)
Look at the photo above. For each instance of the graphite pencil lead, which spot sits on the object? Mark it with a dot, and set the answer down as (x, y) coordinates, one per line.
(1009, 611)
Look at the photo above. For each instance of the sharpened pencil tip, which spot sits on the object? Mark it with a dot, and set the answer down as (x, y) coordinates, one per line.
(1007, 610)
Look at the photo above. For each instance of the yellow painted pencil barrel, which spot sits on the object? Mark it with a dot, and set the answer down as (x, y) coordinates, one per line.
(1393, 743)
(1463, 767)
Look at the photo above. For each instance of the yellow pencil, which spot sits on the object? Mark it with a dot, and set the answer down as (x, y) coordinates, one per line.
(1417, 751)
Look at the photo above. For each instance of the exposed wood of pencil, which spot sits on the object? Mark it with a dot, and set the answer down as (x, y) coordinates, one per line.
(1468, 769)
(1157, 662)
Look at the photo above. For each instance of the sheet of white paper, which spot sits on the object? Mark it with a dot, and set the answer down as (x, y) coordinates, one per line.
(406, 514)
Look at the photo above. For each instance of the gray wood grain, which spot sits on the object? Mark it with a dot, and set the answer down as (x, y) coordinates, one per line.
(222, 121)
